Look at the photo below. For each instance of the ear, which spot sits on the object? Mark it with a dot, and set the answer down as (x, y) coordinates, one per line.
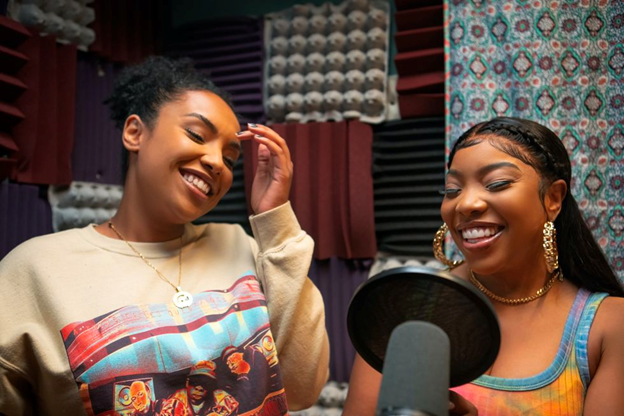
(555, 194)
(133, 133)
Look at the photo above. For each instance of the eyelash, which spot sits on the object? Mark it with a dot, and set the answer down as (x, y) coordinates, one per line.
(449, 192)
(493, 187)
(498, 185)
(195, 136)
(229, 162)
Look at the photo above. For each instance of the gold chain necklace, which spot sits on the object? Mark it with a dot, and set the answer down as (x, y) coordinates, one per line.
(541, 292)
(181, 298)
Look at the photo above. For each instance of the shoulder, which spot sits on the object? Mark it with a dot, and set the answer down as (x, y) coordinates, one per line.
(606, 338)
(607, 327)
(609, 318)
(41, 247)
(215, 235)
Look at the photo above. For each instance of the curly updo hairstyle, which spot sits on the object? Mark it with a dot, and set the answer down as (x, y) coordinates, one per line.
(142, 89)
(580, 257)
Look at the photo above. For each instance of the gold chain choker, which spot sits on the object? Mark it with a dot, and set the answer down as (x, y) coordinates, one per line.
(518, 301)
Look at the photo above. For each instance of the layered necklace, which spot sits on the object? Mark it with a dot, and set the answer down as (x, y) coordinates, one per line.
(517, 301)
(181, 298)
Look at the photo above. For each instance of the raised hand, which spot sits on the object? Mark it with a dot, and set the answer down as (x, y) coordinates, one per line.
(273, 178)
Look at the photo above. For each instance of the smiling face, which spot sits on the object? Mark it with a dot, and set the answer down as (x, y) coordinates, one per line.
(182, 166)
(493, 209)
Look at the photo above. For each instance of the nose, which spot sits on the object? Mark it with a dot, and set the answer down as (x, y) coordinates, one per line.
(470, 203)
(212, 160)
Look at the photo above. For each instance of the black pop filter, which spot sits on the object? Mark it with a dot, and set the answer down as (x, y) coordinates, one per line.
(404, 294)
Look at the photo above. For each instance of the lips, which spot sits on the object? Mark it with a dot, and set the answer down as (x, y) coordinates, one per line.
(197, 183)
(479, 236)
(478, 233)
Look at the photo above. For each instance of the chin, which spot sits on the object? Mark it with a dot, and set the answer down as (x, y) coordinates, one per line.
(185, 213)
(484, 265)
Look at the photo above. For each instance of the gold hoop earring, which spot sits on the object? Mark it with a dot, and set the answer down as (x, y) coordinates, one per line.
(438, 251)
(550, 246)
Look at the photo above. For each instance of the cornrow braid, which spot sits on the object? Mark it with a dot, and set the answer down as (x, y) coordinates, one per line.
(560, 169)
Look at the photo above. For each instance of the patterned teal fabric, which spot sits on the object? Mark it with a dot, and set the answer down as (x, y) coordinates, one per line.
(560, 63)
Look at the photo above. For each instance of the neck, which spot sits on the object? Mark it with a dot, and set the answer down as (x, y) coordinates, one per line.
(137, 226)
(516, 282)
(139, 223)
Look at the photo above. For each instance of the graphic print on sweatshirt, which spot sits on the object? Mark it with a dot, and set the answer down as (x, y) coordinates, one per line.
(216, 357)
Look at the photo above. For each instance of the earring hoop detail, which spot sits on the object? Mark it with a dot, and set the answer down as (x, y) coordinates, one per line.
(438, 251)
(550, 246)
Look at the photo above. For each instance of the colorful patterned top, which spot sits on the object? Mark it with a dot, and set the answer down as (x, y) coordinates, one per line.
(560, 389)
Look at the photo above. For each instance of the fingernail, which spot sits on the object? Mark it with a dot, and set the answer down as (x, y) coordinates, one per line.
(240, 132)
(251, 125)
(259, 136)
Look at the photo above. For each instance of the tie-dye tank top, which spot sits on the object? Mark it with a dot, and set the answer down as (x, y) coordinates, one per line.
(557, 391)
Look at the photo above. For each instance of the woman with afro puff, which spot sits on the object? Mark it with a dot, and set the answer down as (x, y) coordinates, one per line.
(86, 314)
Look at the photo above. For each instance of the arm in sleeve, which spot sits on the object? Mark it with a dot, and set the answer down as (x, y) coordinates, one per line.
(16, 395)
(296, 309)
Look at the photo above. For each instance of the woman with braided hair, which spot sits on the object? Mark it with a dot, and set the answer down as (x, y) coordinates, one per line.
(508, 207)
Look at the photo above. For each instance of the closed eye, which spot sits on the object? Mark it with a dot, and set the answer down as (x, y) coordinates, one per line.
(450, 192)
(498, 185)
(195, 136)
(229, 162)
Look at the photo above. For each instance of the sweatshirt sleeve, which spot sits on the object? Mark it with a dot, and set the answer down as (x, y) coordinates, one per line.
(296, 309)
(20, 324)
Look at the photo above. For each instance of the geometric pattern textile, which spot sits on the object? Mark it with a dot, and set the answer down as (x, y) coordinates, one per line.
(561, 64)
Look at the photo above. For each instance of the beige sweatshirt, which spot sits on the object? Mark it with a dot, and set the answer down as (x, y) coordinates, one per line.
(49, 283)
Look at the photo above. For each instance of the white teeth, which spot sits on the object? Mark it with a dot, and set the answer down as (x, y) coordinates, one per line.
(197, 182)
(478, 232)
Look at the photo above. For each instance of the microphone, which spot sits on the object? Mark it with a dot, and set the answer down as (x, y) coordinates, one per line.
(416, 372)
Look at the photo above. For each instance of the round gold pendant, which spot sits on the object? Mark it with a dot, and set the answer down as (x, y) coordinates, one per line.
(182, 299)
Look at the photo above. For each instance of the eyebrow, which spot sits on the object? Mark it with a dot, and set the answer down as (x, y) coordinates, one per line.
(485, 169)
(207, 122)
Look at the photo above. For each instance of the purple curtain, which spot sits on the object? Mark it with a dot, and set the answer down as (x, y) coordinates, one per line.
(230, 51)
(337, 279)
(97, 153)
(24, 213)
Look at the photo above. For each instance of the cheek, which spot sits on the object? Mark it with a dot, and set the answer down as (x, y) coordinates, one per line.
(226, 182)
(446, 211)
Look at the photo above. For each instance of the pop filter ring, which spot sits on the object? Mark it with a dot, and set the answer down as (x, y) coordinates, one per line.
(448, 280)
